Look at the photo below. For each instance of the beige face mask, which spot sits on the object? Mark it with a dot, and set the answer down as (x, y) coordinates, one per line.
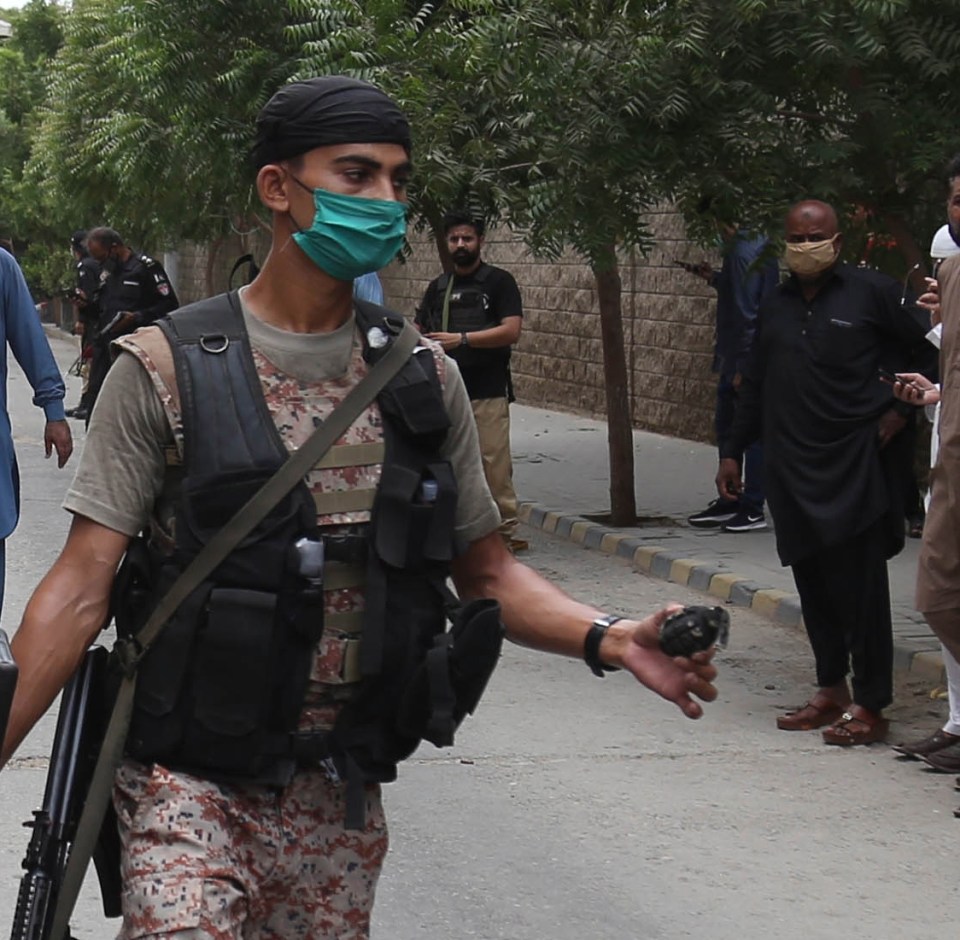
(809, 258)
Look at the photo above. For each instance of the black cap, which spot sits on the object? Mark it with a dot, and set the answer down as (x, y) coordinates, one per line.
(320, 112)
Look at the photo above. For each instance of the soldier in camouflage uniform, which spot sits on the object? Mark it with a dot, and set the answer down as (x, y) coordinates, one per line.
(207, 859)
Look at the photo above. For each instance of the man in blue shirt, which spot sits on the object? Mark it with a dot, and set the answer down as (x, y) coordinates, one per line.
(20, 327)
(748, 272)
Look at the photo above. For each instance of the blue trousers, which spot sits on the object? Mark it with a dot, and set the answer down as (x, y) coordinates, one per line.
(752, 496)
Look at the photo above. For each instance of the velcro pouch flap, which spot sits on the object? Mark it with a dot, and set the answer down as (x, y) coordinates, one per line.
(393, 508)
(415, 401)
(162, 672)
(234, 662)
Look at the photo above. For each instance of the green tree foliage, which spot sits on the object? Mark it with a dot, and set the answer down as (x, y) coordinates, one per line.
(529, 110)
(25, 61)
(853, 102)
(150, 111)
(565, 119)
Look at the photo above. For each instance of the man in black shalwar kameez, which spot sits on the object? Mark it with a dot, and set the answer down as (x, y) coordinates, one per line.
(830, 429)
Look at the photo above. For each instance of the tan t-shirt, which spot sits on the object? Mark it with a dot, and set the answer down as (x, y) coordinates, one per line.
(123, 468)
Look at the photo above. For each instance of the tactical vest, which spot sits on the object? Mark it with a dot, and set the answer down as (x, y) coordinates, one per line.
(223, 692)
(468, 308)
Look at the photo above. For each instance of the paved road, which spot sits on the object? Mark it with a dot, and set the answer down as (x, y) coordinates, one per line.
(574, 807)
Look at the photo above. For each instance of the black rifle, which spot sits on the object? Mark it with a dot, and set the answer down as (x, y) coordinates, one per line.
(80, 726)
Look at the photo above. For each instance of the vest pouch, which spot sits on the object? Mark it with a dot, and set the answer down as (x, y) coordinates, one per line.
(415, 516)
(160, 712)
(135, 587)
(468, 312)
(259, 561)
(449, 683)
(234, 674)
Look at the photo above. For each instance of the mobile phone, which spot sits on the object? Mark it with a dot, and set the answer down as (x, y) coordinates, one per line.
(688, 266)
(885, 375)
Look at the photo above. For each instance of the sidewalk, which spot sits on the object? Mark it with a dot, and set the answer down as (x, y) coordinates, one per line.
(561, 476)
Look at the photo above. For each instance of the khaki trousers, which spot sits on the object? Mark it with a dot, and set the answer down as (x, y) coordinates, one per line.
(493, 425)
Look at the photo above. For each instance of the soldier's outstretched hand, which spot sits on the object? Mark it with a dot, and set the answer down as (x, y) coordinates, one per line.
(675, 678)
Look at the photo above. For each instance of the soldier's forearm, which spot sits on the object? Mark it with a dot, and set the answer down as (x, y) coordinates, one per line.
(58, 626)
(65, 613)
(535, 611)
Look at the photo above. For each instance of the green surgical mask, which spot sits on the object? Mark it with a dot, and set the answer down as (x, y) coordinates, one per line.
(351, 236)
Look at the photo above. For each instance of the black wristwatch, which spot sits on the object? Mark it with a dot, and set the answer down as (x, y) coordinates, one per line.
(591, 644)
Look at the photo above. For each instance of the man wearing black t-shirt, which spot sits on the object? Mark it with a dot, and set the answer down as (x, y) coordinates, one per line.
(475, 313)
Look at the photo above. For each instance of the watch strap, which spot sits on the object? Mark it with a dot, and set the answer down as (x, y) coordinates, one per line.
(592, 641)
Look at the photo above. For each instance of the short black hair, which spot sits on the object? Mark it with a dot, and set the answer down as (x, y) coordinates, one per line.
(457, 217)
(953, 169)
(103, 235)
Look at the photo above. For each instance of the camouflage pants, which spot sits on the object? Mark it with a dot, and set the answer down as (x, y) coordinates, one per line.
(218, 862)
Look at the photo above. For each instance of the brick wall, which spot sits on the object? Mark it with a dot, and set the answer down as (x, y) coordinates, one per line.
(216, 260)
(558, 363)
(668, 318)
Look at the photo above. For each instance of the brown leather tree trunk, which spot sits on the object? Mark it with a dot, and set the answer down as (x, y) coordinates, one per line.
(623, 498)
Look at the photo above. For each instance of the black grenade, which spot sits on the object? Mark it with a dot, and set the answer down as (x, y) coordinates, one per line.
(693, 629)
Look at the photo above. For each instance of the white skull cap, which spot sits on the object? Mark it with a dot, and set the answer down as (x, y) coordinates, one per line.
(943, 244)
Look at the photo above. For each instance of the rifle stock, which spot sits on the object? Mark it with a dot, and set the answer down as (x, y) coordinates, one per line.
(79, 730)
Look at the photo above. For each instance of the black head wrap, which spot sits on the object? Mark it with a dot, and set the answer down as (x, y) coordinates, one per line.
(323, 111)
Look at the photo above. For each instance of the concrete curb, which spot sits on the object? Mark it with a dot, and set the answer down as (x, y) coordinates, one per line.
(704, 575)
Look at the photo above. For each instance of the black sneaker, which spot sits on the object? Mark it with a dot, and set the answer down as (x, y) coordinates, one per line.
(746, 520)
(718, 512)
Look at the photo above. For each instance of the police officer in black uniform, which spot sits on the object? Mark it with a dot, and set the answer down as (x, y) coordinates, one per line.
(134, 291)
(85, 301)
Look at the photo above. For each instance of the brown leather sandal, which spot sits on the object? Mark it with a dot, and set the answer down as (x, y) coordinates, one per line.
(819, 711)
(857, 725)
